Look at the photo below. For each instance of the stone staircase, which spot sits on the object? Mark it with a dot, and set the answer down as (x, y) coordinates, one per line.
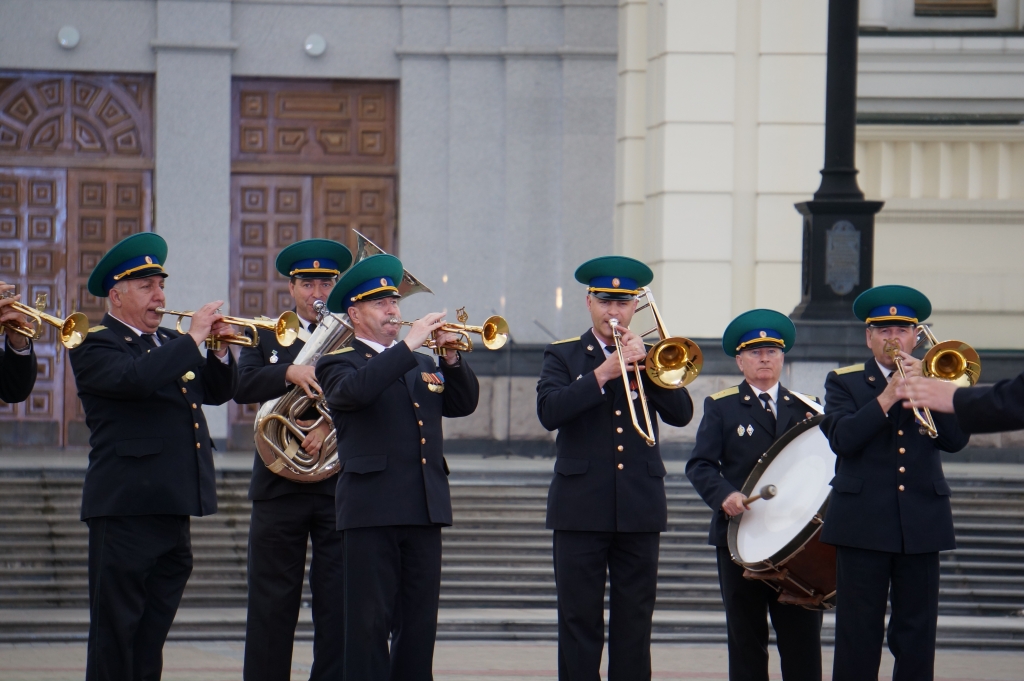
(497, 578)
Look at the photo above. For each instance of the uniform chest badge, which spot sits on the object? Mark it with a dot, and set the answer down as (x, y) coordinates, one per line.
(190, 376)
(273, 357)
(435, 382)
(632, 390)
(750, 430)
(740, 430)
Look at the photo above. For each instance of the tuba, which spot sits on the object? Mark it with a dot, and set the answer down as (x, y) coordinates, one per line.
(277, 431)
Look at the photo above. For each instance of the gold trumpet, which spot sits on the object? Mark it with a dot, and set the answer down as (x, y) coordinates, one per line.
(285, 328)
(73, 330)
(672, 363)
(493, 333)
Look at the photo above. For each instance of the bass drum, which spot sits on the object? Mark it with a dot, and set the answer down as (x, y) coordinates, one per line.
(777, 539)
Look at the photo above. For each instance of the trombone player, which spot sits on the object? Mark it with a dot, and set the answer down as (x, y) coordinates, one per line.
(286, 513)
(151, 466)
(18, 361)
(889, 513)
(607, 502)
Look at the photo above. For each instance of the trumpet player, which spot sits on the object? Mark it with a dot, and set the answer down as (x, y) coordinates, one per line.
(607, 502)
(387, 401)
(739, 425)
(889, 513)
(18, 361)
(285, 513)
(151, 465)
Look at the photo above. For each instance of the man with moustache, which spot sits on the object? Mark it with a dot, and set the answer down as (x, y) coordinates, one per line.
(607, 502)
(889, 514)
(18, 360)
(286, 513)
(392, 500)
(151, 466)
(740, 424)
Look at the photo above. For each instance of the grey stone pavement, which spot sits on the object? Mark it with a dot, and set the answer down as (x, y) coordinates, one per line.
(471, 661)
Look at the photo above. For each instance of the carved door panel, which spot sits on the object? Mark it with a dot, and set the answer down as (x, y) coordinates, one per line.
(32, 214)
(268, 212)
(365, 204)
(104, 206)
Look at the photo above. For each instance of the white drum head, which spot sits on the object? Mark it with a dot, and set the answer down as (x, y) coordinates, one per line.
(801, 472)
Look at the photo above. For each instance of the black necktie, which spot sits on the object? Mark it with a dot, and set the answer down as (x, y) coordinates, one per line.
(312, 327)
(147, 340)
(891, 374)
(766, 400)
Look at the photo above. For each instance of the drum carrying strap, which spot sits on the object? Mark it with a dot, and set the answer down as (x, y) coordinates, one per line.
(808, 401)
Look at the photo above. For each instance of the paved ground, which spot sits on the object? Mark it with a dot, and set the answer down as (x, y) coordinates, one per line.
(469, 661)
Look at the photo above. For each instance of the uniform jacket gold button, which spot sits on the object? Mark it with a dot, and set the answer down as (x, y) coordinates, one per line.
(903, 469)
(420, 422)
(423, 440)
(416, 404)
(619, 448)
(197, 445)
(193, 405)
(184, 390)
(196, 425)
(901, 488)
(618, 430)
(423, 461)
(903, 450)
(621, 466)
(899, 432)
(618, 412)
(746, 398)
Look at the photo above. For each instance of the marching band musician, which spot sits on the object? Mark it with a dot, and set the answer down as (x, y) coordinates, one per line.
(607, 502)
(989, 409)
(740, 424)
(286, 513)
(889, 513)
(387, 401)
(151, 465)
(18, 361)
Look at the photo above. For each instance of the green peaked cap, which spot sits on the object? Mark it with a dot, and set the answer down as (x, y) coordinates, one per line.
(364, 279)
(892, 304)
(314, 259)
(758, 328)
(128, 260)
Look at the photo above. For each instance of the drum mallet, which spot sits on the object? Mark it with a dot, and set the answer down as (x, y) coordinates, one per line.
(766, 492)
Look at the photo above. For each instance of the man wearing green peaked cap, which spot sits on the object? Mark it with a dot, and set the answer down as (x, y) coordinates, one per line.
(142, 388)
(889, 514)
(740, 424)
(607, 503)
(387, 400)
(286, 514)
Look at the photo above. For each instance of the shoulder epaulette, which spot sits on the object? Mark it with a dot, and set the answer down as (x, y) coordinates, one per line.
(850, 369)
(567, 340)
(341, 351)
(94, 329)
(725, 393)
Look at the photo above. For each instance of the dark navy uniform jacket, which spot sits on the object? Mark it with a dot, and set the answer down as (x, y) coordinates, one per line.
(17, 375)
(878, 454)
(388, 424)
(606, 477)
(993, 409)
(259, 380)
(151, 449)
(734, 433)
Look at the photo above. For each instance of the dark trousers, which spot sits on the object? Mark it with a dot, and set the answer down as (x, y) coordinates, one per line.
(392, 583)
(748, 602)
(865, 580)
(138, 566)
(277, 562)
(583, 560)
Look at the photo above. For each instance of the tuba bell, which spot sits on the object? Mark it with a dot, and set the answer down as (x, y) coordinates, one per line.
(277, 431)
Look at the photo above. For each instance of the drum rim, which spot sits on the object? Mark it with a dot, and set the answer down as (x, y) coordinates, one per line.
(787, 552)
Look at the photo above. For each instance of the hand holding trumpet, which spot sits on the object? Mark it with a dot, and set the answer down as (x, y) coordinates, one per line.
(206, 322)
(10, 315)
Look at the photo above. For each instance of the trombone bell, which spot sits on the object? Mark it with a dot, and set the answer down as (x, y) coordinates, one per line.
(674, 362)
(953, 361)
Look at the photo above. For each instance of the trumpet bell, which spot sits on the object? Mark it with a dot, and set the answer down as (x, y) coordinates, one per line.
(674, 362)
(287, 328)
(953, 361)
(74, 330)
(494, 332)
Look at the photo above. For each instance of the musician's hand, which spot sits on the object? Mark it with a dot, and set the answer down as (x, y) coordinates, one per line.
(888, 396)
(927, 392)
(220, 328)
(9, 314)
(315, 438)
(733, 504)
(911, 365)
(608, 370)
(203, 320)
(633, 348)
(423, 328)
(446, 339)
(304, 376)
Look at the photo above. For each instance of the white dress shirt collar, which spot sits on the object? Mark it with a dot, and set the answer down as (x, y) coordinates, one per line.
(374, 345)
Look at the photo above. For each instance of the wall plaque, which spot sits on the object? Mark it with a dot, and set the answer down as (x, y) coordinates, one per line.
(842, 257)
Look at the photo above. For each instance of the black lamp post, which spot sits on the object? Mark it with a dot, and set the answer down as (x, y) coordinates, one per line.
(839, 224)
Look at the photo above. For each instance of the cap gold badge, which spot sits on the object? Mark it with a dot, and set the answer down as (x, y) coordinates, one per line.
(149, 260)
(764, 334)
(316, 263)
(892, 310)
(615, 282)
(383, 282)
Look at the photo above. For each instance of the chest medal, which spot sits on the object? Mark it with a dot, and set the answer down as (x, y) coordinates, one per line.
(435, 382)
(273, 357)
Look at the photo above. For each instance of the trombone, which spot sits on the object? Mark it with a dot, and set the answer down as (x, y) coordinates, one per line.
(672, 363)
(285, 329)
(493, 333)
(952, 360)
(73, 330)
